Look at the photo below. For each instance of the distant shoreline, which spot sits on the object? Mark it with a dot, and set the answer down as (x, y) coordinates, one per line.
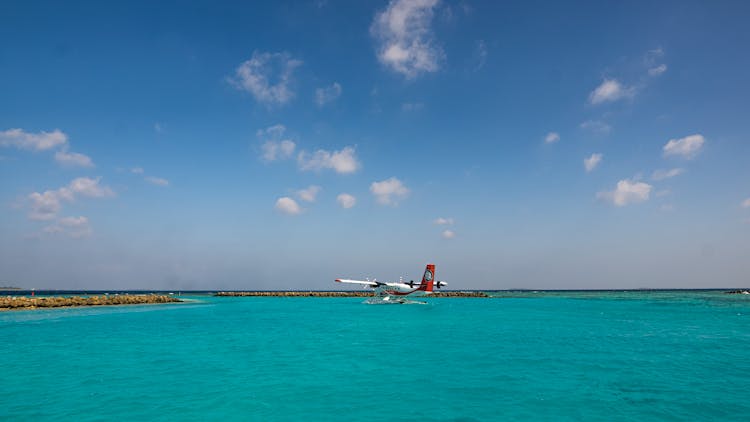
(312, 293)
(54, 292)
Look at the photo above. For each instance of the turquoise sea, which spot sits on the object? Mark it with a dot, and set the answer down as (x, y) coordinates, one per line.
(681, 355)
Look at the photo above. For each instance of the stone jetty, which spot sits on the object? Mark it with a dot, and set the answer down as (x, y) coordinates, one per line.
(296, 293)
(459, 294)
(26, 302)
(738, 292)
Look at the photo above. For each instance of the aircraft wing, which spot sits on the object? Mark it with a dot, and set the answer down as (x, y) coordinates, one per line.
(362, 282)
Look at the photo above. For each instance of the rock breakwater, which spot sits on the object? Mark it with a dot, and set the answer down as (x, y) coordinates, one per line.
(25, 302)
(738, 292)
(459, 294)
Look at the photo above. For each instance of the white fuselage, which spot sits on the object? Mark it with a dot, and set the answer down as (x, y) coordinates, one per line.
(399, 290)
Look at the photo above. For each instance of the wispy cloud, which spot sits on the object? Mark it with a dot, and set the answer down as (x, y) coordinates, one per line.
(448, 234)
(597, 126)
(327, 94)
(480, 54)
(75, 227)
(551, 138)
(687, 147)
(158, 181)
(309, 194)
(407, 107)
(441, 221)
(652, 61)
(658, 70)
(405, 39)
(627, 192)
(73, 159)
(658, 175)
(746, 203)
(267, 77)
(389, 191)
(346, 201)
(592, 162)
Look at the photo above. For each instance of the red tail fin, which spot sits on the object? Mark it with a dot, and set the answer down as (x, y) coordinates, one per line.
(428, 278)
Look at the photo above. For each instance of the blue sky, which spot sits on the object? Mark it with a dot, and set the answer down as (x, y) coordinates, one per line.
(240, 145)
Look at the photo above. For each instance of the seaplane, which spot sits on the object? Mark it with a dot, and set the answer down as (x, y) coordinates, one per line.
(397, 293)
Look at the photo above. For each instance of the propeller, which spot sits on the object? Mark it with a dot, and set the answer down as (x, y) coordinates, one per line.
(440, 284)
(411, 283)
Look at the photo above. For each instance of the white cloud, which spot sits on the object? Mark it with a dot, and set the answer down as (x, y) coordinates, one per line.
(596, 126)
(480, 54)
(44, 141)
(41, 141)
(627, 192)
(276, 148)
(346, 201)
(658, 70)
(610, 90)
(591, 162)
(652, 59)
(666, 207)
(404, 37)
(687, 147)
(407, 107)
(309, 194)
(552, 137)
(653, 55)
(389, 191)
(158, 181)
(267, 76)
(288, 206)
(327, 94)
(342, 162)
(73, 221)
(666, 174)
(440, 221)
(746, 203)
(46, 205)
(91, 188)
(75, 227)
(448, 234)
(275, 132)
(73, 159)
